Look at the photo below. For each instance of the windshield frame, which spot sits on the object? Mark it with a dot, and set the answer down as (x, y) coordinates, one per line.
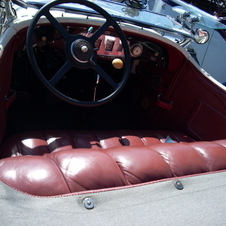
(122, 13)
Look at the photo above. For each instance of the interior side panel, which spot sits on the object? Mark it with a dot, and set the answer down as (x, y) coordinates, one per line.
(202, 127)
(6, 95)
(199, 106)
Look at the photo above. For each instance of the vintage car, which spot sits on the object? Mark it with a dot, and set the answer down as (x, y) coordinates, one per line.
(106, 118)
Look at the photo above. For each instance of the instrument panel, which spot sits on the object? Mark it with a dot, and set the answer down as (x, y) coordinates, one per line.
(108, 45)
(145, 50)
(111, 47)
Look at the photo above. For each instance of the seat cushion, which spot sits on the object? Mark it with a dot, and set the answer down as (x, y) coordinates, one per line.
(41, 142)
(82, 169)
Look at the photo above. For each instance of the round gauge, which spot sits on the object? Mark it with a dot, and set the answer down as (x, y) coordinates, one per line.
(136, 50)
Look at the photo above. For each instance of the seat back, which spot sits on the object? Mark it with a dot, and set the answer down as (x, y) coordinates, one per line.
(41, 142)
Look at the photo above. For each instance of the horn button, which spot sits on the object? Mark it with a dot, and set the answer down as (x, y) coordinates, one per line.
(82, 50)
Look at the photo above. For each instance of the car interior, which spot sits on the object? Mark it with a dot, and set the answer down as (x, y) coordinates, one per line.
(167, 121)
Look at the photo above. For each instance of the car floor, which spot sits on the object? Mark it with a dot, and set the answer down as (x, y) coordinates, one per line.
(39, 112)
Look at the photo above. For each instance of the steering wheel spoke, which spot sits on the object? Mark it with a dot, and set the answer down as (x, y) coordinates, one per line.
(56, 24)
(105, 76)
(100, 31)
(59, 75)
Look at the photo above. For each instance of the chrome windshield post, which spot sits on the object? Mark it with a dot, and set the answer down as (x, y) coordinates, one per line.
(2, 15)
(7, 14)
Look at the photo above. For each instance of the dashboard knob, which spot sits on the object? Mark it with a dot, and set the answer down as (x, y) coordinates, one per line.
(117, 63)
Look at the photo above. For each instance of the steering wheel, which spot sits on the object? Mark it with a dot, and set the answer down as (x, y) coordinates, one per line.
(80, 52)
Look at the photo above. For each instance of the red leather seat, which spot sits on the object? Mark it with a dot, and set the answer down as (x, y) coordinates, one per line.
(82, 169)
(58, 162)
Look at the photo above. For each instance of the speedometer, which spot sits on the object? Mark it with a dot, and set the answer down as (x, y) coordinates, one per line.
(136, 50)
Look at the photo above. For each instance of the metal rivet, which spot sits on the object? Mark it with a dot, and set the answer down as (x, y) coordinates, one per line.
(88, 203)
(178, 185)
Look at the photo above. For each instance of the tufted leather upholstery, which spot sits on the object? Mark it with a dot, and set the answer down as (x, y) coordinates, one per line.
(71, 169)
(41, 142)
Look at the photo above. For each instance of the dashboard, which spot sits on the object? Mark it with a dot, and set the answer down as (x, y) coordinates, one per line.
(108, 45)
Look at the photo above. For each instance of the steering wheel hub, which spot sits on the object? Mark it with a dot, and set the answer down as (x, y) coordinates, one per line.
(81, 50)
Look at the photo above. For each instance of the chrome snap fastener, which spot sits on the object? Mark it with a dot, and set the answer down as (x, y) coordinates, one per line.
(88, 203)
(178, 185)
